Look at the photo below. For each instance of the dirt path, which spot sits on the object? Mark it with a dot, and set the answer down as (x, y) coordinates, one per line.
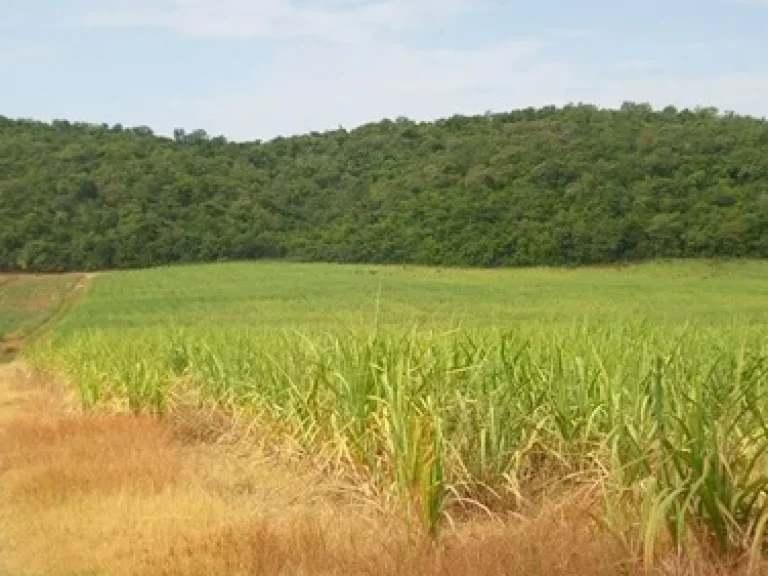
(12, 343)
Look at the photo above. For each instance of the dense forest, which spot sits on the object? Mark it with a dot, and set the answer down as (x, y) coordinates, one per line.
(556, 186)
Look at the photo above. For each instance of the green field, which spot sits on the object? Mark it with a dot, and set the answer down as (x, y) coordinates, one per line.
(443, 387)
(335, 297)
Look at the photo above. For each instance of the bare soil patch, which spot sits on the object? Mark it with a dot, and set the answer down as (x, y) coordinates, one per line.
(11, 344)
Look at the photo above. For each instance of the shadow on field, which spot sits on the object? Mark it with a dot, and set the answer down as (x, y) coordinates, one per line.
(118, 495)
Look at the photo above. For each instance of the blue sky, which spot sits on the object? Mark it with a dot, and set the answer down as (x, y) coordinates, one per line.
(252, 69)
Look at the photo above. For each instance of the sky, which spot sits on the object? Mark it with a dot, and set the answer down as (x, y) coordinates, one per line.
(256, 69)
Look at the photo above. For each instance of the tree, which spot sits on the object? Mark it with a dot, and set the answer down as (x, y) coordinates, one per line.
(577, 185)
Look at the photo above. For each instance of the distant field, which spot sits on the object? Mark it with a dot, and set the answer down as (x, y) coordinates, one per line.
(26, 302)
(648, 384)
(330, 296)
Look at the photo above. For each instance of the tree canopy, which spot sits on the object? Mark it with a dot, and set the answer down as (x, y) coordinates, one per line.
(550, 186)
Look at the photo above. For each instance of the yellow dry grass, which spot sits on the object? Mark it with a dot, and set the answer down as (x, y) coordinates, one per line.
(119, 495)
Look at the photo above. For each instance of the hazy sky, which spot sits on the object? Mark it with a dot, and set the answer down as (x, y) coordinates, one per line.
(258, 68)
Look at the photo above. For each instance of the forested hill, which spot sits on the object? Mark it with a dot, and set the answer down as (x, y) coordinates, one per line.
(550, 186)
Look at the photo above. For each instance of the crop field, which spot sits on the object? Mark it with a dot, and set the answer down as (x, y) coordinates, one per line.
(27, 302)
(456, 393)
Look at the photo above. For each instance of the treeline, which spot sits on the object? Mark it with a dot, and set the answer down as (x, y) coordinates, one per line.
(576, 185)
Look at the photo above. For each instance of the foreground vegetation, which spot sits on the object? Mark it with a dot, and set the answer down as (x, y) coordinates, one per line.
(119, 495)
(449, 392)
(529, 187)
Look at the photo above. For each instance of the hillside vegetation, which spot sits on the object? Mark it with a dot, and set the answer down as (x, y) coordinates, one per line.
(552, 186)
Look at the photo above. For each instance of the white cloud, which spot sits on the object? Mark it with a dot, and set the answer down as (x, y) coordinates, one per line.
(328, 20)
(25, 54)
(573, 33)
(317, 81)
(331, 87)
(637, 65)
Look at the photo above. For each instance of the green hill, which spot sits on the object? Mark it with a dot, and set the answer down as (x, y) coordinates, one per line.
(576, 185)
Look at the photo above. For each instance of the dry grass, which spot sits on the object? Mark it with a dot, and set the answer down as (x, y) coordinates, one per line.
(116, 495)
(307, 546)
